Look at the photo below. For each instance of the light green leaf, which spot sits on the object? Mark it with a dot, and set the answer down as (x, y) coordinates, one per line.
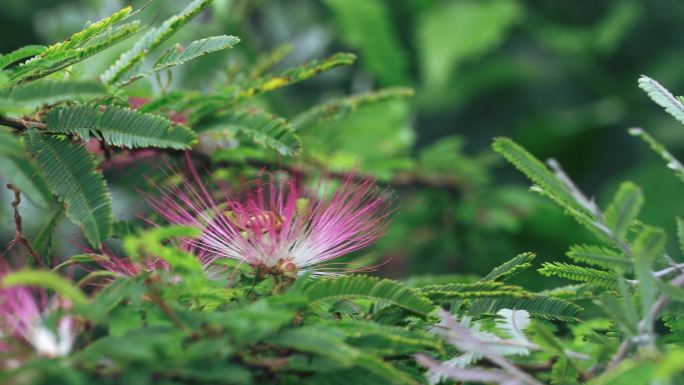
(510, 268)
(46, 280)
(672, 163)
(662, 97)
(624, 208)
(680, 234)
(88, 33)
(648, 246)
(21, 53)
(179, 55)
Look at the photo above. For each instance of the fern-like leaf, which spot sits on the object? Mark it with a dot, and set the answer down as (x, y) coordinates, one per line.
(120, 126)
(125, 66)
(672, 163)
(600, 256)
(662, 97)
(263, 128)
(179, 55)
(339, 108)
(511, 267)
(470, 290)
(384, 339)
(71, 173)
(624, 208)
(601, 278)
(538, 306)
(17, 168)
(360, 286)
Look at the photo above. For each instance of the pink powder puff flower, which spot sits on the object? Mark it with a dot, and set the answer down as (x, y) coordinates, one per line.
(280, 226)
(23, 315)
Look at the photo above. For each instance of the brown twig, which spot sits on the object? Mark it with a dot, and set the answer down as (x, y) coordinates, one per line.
(156, 298)
(403, 179)
(107, 151)
(19, 231)
(20, 124)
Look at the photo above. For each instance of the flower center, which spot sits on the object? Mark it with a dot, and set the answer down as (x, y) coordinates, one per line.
(263, 222)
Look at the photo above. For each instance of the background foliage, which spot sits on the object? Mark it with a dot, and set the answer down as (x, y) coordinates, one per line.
(434, 81)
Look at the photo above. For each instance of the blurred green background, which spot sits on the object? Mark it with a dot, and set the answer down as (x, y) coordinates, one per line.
(558, 77)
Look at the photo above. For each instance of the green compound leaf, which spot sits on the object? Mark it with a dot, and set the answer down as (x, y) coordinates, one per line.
(470, 290)
(598, 277)
(537, 305)
(360, 286)
(179, 55)
(662, 97)
(536, 171)
(340, 108)
(263, 128)
(672, 163)
(88, 33)
(600, 256)
(93, 39)
(120, 126)
(213, 105)
(71, 173)
(511, 267)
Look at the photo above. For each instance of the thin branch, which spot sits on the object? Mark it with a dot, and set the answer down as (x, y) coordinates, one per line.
(156, 298)
(579, 196)
(658, 306)
(20, 124)
(18, 228)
